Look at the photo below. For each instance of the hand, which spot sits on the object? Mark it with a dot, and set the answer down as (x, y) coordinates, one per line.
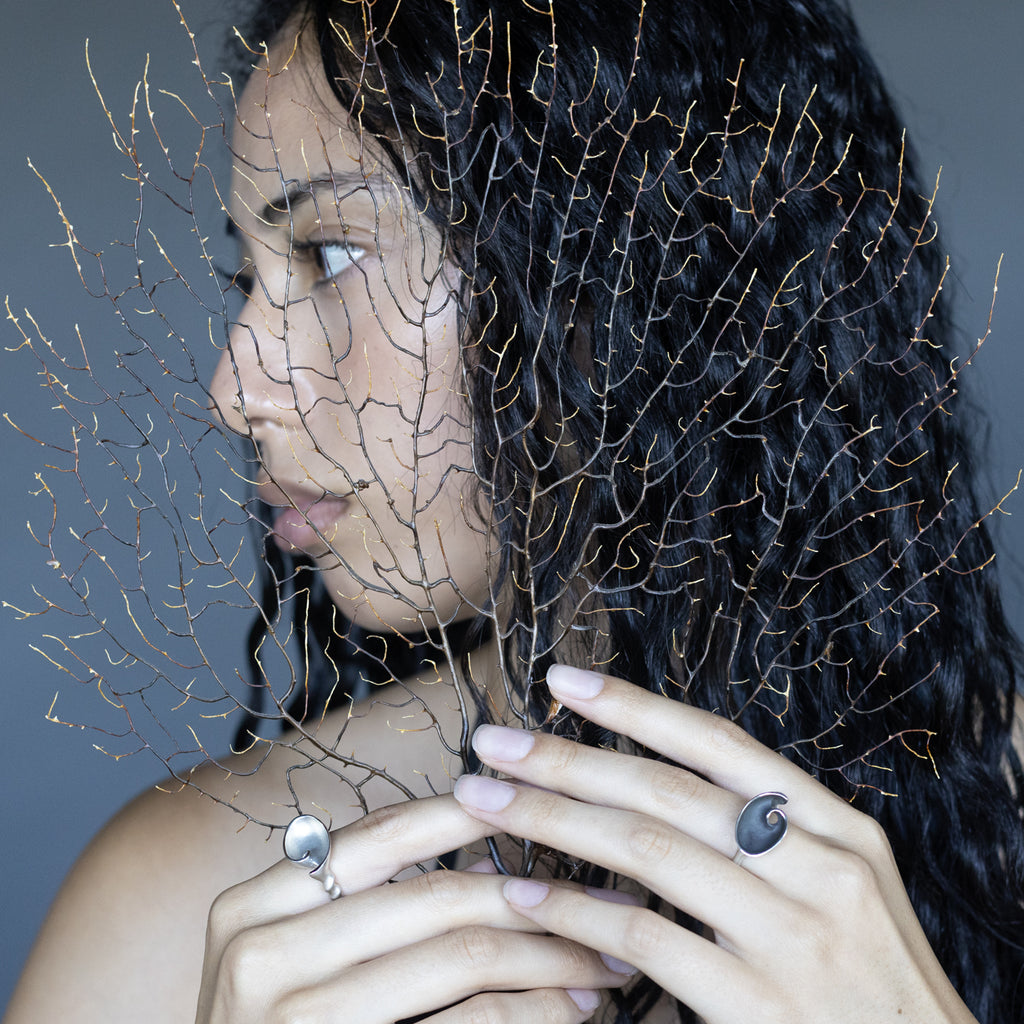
(818, 929)
(278, 949)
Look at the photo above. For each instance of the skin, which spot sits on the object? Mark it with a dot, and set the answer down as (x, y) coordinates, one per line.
(172, 907)
(818, 929)
(356, 404)
(361, 387)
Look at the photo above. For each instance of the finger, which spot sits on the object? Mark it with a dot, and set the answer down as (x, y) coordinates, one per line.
(703, 742)
(377, 922)
(741, 907)
(365, 853)
(385, 842)
(665, 792)
(827, 839)
(606, 777)
(808, 869)
(695, 970)
(550, 1005)
(484, 866)
(449, 969)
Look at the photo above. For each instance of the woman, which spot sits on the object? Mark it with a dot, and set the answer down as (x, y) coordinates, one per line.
(628, 345)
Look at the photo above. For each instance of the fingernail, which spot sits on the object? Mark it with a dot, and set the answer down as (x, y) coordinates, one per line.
(482, 793)
(574, 682)
(525, 893)
(618, 966)
(614, 896)
(485, 866)
(502, 744)
(587, 999)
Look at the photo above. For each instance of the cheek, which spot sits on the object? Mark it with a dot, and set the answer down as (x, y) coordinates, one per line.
(390, 405)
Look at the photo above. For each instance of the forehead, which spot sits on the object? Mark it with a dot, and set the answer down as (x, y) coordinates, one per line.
(291, 130)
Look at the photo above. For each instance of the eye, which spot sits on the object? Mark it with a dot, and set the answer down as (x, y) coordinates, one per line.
(236, 287)
(241, 278)
(334, 258)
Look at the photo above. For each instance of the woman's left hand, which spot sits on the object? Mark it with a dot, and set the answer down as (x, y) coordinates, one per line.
(818, 929)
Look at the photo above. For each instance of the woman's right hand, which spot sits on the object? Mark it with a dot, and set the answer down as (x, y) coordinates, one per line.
(444, 943)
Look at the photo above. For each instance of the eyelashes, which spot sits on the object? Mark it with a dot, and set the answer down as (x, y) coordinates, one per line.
(241, 279)
(328, 260)
(332, 259)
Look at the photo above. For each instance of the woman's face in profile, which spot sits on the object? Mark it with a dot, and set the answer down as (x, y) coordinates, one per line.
(344, 362)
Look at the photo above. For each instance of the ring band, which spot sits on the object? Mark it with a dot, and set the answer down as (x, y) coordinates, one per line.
(307, 843)
(761, 824)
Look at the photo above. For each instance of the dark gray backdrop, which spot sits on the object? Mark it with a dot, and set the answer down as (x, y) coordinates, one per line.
(955, 70)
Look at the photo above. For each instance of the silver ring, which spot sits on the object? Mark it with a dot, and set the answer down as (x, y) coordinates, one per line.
(307, 843)
(761, 824)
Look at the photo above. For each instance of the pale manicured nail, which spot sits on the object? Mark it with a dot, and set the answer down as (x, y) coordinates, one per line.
(482, 793)
(574, 682)
(502, 744)
(485, 866)
(614, 896)
(587, 999)
(525, 893)
(618, 966)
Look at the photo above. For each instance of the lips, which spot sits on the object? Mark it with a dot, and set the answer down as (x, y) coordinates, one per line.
(304, 521)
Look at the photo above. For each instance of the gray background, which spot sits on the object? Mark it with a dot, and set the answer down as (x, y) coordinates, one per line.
(956, 72)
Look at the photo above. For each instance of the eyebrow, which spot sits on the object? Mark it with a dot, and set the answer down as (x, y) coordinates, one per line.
(279, 208)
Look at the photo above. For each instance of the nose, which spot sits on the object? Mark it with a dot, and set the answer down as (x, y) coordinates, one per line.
(251, 386)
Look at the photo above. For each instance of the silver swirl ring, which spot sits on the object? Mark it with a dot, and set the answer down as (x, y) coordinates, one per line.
(761, 824)
(307, 843)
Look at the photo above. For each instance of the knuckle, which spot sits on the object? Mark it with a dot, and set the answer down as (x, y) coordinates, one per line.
(545, 810)
(643, 935)
(564, 757)
(672, 789)
(487, 1008)
(548, 811)
(443, 891)
(554, 1005)
(871, 838)
(227, 915)
(248, 959)
(630, 704)
(474, 948)
(650, 842)
(295, 1008)
(574, 959)
(549, 1005)
(814, 936)
(385, 824)
(727, 739)
(851, 877)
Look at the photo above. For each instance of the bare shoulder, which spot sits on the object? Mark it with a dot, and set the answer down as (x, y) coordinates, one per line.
(124, 939)
(126, 931)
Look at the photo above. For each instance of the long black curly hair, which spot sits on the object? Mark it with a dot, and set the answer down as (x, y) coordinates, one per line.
(714, 402)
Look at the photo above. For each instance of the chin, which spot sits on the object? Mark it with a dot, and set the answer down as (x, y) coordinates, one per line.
(402, 614)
